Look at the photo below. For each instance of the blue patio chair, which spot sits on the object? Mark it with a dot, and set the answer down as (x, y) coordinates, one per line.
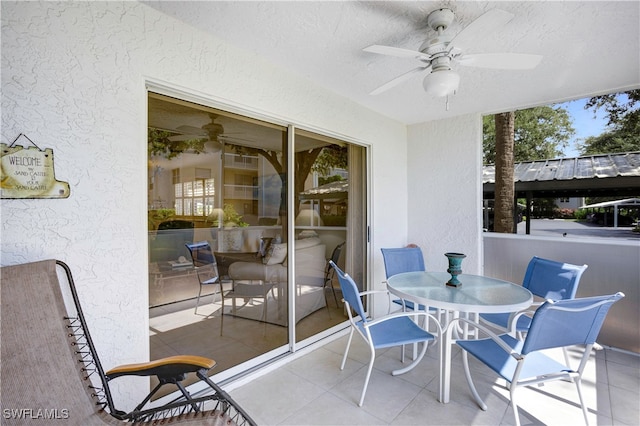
(329, 273)
(556, 324)
(206, 266)
(547, 279)
(404, 259)
(396, 329)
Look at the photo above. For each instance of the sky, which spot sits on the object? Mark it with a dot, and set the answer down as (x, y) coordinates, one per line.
(584, 124)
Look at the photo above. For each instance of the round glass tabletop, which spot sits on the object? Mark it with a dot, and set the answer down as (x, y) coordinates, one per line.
(476, 294)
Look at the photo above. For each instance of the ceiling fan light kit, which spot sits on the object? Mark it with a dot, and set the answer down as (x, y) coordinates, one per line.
(439, 52)
(212, 146)
(441, 83)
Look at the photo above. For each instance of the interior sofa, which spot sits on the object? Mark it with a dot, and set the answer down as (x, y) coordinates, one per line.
(309, 278)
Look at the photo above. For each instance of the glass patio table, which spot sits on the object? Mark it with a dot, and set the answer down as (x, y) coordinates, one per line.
(477, 295)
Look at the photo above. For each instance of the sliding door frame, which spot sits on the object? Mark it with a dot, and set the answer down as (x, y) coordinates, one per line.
(185, 94)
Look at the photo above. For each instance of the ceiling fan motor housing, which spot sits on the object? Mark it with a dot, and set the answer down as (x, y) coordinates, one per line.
(440, 18)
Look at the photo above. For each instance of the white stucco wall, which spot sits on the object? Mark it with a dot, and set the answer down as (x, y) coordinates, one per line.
(73, 79)
(444, 163)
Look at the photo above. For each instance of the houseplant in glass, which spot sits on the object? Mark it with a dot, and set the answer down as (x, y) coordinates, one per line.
(230, 236)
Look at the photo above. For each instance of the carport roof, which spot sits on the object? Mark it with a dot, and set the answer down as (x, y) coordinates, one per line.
(332, 190)
(585, 176)
(628, 202)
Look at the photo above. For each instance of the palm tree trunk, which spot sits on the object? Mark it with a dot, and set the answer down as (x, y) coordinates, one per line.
(505, 187)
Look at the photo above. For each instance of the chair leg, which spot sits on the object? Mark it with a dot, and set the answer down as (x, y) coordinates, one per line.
(366, 380)
(198, 300)
(577, 380)
(333, 290)
(326, 299)
(221, 312)
(416, 359)
(512, 391)
(472, 387)
(346, 350)
(264, 311)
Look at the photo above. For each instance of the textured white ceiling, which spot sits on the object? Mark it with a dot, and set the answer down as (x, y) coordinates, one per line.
(589, 48)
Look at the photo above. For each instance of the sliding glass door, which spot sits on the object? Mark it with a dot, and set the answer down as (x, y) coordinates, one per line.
(271, 203)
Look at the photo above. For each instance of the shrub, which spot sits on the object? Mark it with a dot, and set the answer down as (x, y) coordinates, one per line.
(564, 213)
(580, 214)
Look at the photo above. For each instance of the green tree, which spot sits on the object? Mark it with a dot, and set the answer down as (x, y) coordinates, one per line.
(623, 124)
(539, 133)
(320, 159)
(505, 186)
(159, 143)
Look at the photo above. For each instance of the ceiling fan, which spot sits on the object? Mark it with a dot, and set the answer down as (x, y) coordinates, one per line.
(211, 131)
(438, 53)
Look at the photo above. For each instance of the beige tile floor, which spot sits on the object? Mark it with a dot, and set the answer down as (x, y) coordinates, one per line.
(311, 390)
(174, 329)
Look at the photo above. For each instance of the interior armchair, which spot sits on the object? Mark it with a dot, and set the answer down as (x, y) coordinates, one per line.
(272, 269)
(50, 364)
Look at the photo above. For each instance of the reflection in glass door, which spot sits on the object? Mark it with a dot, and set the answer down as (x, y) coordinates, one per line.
(221, 180)
(329, 224)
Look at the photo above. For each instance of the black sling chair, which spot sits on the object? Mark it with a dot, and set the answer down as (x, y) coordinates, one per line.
(34, 346)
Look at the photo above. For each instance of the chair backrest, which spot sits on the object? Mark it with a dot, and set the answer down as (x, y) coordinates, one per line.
(201, 253)
(568, 322)
(405, 259)
(552, 280)
(335, 255)
(50, 367)
(350, 292)
(40, 367)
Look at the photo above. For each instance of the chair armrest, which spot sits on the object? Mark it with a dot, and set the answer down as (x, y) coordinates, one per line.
(515, 316)
(493, 336)
(164, 367)
(367, 292)
(513, 319)
(364, 293)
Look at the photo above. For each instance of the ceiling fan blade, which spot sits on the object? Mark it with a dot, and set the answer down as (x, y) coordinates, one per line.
(480, 28)
(397, 52)
(181, 138)
(400, 79)
(500, 61)
(190, 129)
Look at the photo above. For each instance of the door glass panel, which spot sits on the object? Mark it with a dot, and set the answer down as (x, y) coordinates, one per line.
(328, 225)
(218, 178)
(221, 179)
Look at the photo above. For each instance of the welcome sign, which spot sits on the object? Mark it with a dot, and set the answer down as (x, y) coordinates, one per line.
(29, 172)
